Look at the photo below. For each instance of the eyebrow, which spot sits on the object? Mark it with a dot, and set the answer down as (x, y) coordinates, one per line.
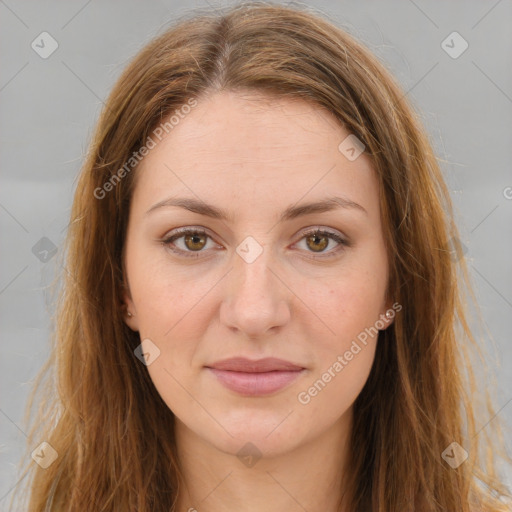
(292, 212)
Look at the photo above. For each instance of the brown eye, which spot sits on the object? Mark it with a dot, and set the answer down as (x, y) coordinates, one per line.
(318, 241)
(195, 241)
(188, 242)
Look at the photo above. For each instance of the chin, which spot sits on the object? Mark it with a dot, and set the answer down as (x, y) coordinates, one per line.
(267, 432)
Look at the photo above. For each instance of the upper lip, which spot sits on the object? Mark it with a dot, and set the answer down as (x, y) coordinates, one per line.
(242, 364)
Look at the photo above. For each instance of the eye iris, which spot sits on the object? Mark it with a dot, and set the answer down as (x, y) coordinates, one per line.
(315, 237)
(192, 239)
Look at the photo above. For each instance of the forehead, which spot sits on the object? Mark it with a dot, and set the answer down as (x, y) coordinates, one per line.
(247, 124)
(255, 148)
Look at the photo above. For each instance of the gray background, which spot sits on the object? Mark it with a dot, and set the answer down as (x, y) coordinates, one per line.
(49, 107)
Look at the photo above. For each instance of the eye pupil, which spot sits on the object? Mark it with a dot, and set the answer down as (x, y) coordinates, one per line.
(315, 237)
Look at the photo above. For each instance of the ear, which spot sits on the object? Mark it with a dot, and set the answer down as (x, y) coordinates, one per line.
(129, 311)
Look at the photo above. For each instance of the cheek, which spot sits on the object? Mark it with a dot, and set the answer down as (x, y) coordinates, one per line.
(332, 391)
(344, 355)
(173, 384)
(346, 306)
(164, 294)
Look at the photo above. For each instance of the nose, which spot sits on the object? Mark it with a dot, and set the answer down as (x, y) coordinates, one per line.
(256, 300)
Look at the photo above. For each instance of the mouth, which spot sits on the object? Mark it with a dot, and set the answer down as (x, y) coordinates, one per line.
(255, 378)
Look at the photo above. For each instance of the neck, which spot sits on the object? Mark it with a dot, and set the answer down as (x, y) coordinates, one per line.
(306, 477)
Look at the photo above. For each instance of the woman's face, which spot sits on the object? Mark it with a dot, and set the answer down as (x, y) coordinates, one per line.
(256, 283)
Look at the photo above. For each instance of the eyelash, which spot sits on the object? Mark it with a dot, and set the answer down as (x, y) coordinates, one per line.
(179, 233)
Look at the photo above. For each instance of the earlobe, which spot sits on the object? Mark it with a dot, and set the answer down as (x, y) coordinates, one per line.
(388, 316)
(129, 315)
(131, 320)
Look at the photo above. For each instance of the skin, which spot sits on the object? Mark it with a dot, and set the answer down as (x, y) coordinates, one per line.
(254, 156)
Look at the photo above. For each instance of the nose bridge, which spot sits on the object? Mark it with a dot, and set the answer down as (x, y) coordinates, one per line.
(256, 299)
(252, 275)
(252, 269)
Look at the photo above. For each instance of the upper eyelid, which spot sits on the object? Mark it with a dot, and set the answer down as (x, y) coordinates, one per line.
(179, 232)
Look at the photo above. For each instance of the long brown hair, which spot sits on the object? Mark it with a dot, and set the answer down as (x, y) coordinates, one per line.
(110, 428)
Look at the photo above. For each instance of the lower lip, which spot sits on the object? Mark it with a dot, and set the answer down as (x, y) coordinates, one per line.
(255, 384)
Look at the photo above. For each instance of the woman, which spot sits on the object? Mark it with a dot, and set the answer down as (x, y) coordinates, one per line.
(261, 301)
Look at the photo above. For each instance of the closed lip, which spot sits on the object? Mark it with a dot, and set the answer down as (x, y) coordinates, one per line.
(267, 364)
